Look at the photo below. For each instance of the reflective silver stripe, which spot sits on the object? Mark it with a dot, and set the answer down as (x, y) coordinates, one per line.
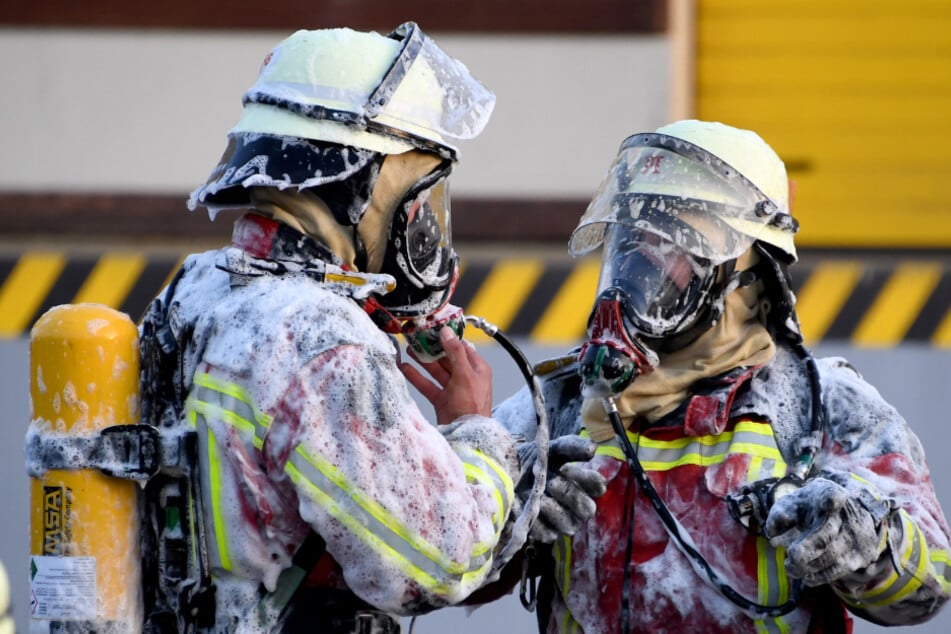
(747, 437)
(375, 526)
(764, 468)
(941, 560)
(773, 585)
(210, 482)
(480, 468)
(236, 407)
(212, 399)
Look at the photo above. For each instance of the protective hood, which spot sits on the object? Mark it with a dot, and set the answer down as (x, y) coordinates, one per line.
(308, 214)
(363, 248)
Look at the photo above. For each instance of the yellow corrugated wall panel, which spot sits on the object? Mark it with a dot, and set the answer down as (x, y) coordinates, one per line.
(854, 96)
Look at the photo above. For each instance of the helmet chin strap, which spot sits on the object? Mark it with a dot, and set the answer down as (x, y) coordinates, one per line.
(610, 360)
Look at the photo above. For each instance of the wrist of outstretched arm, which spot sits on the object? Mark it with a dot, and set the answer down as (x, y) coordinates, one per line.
(904, 566)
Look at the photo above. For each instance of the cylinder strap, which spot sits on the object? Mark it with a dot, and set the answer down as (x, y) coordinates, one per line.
(131, 452)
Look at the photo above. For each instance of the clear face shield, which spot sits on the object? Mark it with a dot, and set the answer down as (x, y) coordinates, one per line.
(656, 178)
(420, 254)
(669, 215)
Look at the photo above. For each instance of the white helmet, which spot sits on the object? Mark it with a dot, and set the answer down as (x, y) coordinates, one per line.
(386, 94)
(725, 183)
(365, 94)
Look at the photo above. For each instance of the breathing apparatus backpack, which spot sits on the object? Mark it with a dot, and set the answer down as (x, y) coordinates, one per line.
(178, 592)
(117, 544)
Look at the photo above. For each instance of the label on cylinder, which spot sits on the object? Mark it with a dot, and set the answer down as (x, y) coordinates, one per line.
(63, 587)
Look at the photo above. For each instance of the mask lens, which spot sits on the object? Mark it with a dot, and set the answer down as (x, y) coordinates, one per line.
(419, 254)
(427, 227)
(663, 286)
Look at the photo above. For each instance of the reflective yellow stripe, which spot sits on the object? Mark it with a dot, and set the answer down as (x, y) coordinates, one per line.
(565, 555)
(488, 472)
(420, 576)
(221, 537)
(365, 518)
(918, 566)
(215, 400)
(369, 520)
(229, 403)
(213, 411)
(232, 398)
(772, 585)
(941, 560)
(748, 437)
(474, 474)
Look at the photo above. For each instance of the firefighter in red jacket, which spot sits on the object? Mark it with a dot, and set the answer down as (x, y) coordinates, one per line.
(750, 487)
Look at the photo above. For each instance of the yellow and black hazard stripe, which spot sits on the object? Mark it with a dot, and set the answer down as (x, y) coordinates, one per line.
(546, 300)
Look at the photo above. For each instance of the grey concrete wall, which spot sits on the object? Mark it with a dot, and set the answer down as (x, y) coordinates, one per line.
(147, 111)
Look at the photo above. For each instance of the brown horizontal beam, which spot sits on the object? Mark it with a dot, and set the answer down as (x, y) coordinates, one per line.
(106, 216)
(490, 16)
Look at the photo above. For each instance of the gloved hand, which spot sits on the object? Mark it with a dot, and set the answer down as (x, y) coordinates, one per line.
(570, 489)
(831, 527)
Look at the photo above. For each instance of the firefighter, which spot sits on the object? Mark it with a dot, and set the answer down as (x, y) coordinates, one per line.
(321, 498)
(750, 486)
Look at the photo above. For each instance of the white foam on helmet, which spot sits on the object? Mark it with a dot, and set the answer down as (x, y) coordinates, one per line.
(433, 98)
(746, 152)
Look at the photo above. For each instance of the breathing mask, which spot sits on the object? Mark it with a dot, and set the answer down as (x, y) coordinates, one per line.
(419, 251)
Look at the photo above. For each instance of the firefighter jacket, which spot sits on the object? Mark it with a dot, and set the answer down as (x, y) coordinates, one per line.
(734, 430)
(305, 423)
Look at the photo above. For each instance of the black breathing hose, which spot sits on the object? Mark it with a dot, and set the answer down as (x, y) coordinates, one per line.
(680, 537)
(522, 524)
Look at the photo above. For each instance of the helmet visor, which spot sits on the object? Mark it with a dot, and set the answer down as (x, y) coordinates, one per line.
(678, 190)
(661, 285)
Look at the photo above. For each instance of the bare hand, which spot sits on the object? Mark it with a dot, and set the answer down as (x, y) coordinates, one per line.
(463, 380)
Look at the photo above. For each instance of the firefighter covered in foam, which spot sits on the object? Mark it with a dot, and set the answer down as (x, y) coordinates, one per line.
(283, 357)
(751, 487)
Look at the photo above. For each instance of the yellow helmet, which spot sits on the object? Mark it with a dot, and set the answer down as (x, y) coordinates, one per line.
(724, 185)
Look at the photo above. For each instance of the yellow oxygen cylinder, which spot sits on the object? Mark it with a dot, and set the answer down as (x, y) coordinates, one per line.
(85, 563)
